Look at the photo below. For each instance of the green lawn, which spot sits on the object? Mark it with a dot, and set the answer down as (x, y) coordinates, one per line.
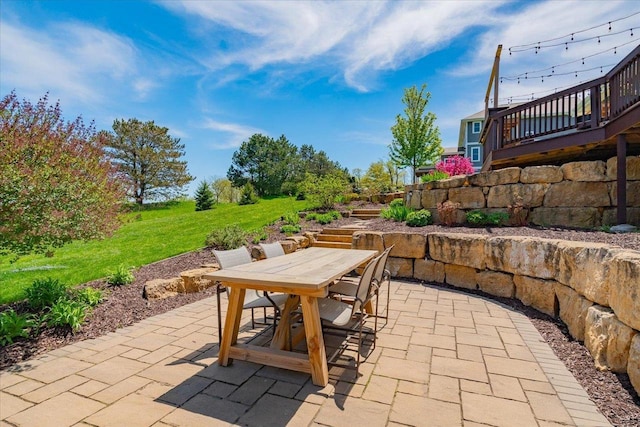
(145, 237)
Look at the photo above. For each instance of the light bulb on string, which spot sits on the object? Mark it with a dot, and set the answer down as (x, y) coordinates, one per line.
(566, 46)
(631, 32)
(609, 26)
(553, 69)
(598, 39)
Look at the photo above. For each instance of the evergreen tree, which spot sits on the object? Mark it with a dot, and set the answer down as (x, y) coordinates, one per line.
(204, 197)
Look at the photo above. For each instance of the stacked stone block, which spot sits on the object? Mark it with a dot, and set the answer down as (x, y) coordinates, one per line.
(593, 288)
(577, 194)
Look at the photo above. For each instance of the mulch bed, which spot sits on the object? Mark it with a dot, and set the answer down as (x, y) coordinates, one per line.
(124, 306)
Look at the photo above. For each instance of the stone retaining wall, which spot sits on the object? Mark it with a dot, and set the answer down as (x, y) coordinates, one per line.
(593, 288)
(578, 194)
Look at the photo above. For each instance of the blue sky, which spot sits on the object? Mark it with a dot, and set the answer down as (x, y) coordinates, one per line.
(329, 74)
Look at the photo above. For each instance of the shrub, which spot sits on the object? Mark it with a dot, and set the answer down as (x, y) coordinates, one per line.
(396, 211)
(248, 195)
(447, 212)
(122, 276)
(14, 325)
(259, 235)
(290, 229)
(497, 218)
(89, 296)
(435, 175)
(476, 218)
(225, 238)
(66, 313)
(44, 293)
(312, 216)
(324, 190)
(334, 214)
(419, 218)
(291, 218)
(324, 219)
(456, 165)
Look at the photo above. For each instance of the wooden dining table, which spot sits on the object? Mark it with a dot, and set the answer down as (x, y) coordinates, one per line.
(305, 275)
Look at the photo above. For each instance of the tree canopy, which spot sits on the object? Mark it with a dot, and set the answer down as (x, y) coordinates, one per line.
(416, 138)
(56, 184)
(150, 159)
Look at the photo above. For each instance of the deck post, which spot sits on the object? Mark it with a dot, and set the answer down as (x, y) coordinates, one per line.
(622, 180)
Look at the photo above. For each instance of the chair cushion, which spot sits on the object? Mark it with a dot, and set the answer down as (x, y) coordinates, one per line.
(335, 312)
(260, 302)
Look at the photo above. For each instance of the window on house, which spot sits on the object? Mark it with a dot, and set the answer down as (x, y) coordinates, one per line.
(476, 127)
(475, 154)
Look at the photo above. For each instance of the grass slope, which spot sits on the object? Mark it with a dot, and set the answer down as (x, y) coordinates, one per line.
(145, 237)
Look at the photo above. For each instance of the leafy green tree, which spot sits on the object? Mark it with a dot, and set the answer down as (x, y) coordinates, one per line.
(323, 190)
(264, 162)
(376, 180)
(56, 184)
(222, 190)
(416, 138)
(204, 197)
(396, 174)
(149, 158)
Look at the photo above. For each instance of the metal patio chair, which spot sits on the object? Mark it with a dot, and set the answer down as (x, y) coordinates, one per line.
(253, 299)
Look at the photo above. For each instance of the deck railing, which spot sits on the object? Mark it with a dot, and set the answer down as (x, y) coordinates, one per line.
(585, 106)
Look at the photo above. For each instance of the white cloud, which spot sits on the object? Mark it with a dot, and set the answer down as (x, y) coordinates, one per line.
(72, 61)
(231, 134)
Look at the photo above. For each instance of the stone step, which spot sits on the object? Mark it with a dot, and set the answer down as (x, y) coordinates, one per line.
(343, 238)
(365, 216)
(336, 245)
(340, 231)
(365, 211)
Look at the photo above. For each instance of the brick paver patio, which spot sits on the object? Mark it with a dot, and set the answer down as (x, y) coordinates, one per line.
(444, 359)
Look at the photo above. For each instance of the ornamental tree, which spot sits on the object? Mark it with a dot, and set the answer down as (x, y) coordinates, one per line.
(150, 160)
(204, 197)
(56, 184)
(456, 165)
(416, 138)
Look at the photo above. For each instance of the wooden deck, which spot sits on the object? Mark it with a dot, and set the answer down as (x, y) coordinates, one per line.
(580, 123)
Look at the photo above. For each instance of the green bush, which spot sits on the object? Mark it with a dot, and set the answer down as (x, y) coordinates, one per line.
(89, 296)
(122, 276)
(324, 219)
(226, 238)
(497, 218)
(324, 190)
(248, 195)
(290, 229)
(66, 313)
(480, 218)
(476, 218)
(334, 214)
(259, 235)
(396, 211)
(291, 218)
(419, 218)
(44, 293)
(14, 325)
(434, 175)
(311, 216)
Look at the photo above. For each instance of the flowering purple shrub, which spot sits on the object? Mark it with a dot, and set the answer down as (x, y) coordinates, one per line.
(456, 165)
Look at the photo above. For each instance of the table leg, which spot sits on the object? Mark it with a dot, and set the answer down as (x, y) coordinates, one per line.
(231, 324)
(281, 337)
(315, 341)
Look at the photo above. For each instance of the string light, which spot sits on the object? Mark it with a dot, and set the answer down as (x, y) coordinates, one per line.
(540, 44)
(567, 43)
(527, 76)
(582, 60)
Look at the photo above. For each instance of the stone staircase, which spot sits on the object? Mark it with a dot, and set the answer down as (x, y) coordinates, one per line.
(365, 213)
(340, 238)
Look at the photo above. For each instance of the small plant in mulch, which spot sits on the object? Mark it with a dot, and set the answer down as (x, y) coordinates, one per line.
(419, 218)
(121, 276)
(14, 325)
(448, 211)
(397, 211)
(290, 229)
(226, 238)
